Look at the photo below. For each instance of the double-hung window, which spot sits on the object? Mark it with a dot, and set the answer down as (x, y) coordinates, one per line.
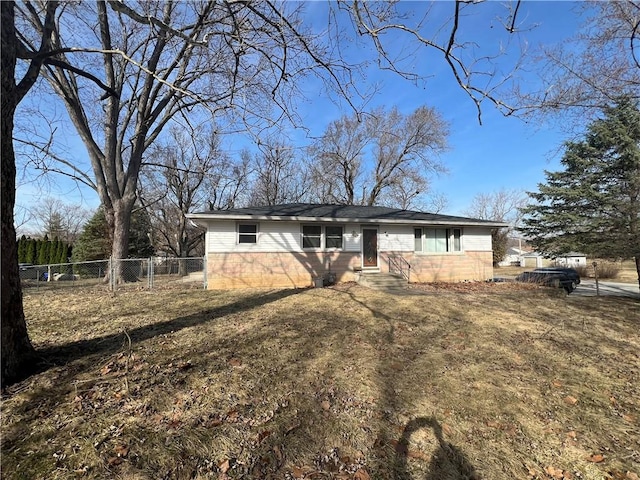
(319, 237)
(247, 233)
(311, 236)
(437, 240)
(333, 237)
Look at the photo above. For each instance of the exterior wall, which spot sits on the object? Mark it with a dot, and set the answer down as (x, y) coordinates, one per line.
(449, 267)
(272, 237)
(277, 269)
(573, 261)
(278, 259)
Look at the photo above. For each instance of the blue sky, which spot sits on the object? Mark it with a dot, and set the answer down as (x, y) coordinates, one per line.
(503, 152)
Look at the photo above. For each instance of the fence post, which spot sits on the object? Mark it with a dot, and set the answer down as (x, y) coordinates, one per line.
(150, 273)
(204, 271)
(112, 275)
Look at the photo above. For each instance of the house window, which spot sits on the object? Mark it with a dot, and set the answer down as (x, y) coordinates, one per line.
(311, 236)
(438, 240)
(333, 237)
(248, 233)
(317, 236)
(456, 236)
(417, 239)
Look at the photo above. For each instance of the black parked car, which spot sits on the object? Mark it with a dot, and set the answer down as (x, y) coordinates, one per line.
(566, 278)
(570, 272)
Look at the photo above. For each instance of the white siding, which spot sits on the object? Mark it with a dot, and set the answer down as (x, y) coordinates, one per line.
(351, 242)
(272, 237)
(395, 238)
(476, 239)
(285, 237)
(221, 236)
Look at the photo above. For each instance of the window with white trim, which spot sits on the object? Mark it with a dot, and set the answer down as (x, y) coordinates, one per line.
(437, 240)
(311, 236)
(247, 233)
(333, 236)
(322, 237)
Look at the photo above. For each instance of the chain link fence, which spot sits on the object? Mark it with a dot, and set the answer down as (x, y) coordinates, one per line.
(149, 273)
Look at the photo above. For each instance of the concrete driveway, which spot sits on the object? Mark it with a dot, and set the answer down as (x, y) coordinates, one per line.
(587, 288)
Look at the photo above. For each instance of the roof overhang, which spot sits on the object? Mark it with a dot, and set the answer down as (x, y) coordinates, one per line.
(204, 218)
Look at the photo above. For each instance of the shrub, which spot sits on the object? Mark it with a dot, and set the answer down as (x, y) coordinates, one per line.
(608, 269)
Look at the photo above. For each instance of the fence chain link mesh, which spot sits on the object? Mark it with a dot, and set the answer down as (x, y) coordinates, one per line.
(146, 273)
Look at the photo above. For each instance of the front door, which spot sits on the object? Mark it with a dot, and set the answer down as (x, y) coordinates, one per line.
(369, 247)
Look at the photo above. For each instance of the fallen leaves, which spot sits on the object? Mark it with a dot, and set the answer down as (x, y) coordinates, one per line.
(361, 475)
(596, 458)
(235, 362)
(569, 400)
(559, 473)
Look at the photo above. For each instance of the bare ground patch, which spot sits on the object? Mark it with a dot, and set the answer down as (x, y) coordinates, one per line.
(341, 382)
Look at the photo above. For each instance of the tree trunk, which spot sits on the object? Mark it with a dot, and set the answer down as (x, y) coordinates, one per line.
(17, 351)
(637, 258)
(119, 221)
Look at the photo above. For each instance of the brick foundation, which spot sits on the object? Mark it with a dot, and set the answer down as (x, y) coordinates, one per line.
(277, 269)
(298, 269)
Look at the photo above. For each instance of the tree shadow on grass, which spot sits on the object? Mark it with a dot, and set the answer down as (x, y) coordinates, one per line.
(112, 343)
(447, 461)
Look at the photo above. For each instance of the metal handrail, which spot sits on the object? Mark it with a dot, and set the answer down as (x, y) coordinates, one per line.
(399, 265)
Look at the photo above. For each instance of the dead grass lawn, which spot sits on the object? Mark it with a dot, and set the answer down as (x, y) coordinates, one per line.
(341, 383)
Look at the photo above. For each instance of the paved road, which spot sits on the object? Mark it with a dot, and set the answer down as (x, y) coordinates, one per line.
(587, 288)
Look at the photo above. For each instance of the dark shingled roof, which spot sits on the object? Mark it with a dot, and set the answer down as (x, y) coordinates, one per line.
(343, 213)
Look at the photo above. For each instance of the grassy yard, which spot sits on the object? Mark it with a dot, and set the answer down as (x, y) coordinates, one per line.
(334, 383)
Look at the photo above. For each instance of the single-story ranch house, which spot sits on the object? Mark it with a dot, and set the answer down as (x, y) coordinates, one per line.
(294, 245)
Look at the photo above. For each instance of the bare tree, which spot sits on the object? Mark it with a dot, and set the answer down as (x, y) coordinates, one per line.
(591, 70)
(502, 206)
(165, 59)
(21, 218)
(402, 149)
(338, 165)
(17, 350)
(279, 176)
(56, 218)
(393, 31)
(188, 172)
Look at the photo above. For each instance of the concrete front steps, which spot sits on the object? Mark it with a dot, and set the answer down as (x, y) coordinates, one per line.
(383, 281)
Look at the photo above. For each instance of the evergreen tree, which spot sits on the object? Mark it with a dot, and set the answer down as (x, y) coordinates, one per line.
(94, 242)
(22, 249)
(43, 253)
(61, 252)
(139, 241)
(593, 205)
(53, 250)
(31, 251)
(55, 225)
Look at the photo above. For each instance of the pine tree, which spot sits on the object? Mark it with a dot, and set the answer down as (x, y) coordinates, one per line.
(593, 205)
(43, 252)
(94, 242)
(53, 250)
(22, 249)
(31, 251)
(61, 253)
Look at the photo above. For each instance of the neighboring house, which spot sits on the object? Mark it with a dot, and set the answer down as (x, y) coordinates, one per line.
(571, 259)
(292, 245)
(513, 257)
